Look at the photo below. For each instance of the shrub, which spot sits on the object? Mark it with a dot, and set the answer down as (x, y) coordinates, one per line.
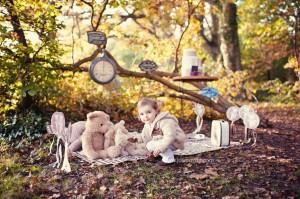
(28, 124)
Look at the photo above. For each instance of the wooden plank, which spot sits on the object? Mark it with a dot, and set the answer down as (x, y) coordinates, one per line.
(197, 78)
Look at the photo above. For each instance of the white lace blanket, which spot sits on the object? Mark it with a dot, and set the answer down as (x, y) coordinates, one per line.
(191, 147)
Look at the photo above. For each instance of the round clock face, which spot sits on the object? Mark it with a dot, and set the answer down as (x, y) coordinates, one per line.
(102, 71)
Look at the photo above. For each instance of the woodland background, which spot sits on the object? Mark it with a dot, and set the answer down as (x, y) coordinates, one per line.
(251, 45)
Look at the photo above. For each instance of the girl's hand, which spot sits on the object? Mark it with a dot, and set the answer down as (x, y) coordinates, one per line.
(133, 140)
(156, 153)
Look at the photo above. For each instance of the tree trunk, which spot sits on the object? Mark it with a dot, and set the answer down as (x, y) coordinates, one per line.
(210, 32)
(220, 34)
(26, 101)
(230, 47)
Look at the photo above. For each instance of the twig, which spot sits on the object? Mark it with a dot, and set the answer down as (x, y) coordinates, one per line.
(190, 13)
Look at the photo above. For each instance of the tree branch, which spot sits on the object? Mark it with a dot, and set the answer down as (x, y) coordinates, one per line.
(154, 76)
(90, 4)
(151, 32)
(15, 22)
(190, 13)
(101, 14)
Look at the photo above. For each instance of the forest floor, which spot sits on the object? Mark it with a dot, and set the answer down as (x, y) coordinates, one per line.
(271, 169)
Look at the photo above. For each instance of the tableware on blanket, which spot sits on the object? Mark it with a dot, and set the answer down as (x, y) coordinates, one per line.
(251, 121)
(199, 136)
(194, 137)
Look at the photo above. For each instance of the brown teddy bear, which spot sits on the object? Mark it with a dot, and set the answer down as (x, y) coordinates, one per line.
(75, 140)
(98, 123)
(126, 140)
(109, 137)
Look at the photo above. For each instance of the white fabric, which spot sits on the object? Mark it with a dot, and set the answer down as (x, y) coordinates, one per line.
(191, 147)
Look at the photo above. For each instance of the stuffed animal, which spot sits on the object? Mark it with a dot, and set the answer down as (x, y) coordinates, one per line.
(109, 137)
(76, 131)
(75, 137)
(126, 140)
(98, 123)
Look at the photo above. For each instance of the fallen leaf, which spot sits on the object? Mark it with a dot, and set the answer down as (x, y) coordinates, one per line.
(103, 189)
(230, 197)
(199, 176)
(211, 171)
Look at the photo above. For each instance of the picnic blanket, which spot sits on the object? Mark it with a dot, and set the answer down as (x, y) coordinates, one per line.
(191, 147)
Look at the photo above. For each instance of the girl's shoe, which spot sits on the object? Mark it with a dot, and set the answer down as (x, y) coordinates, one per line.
(161, 163)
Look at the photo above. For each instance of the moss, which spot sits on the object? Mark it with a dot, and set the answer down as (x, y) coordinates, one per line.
(12, 183)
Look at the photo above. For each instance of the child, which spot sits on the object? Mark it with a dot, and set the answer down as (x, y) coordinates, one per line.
(161, 132)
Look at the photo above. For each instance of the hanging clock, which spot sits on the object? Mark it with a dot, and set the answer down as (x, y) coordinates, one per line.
(103, 69)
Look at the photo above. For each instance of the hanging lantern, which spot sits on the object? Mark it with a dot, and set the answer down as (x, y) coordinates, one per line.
(97, 38)
(148, 66)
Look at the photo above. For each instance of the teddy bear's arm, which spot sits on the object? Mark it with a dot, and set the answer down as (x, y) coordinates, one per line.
(76, 145)
(109, 138)
(88, 148)
(136, 135)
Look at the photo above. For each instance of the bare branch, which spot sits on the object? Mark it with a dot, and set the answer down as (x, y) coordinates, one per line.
(190, 13)
(90, 4)
(93, 11)
(101, 14)
(15, 22)
(141, 25)
(87, 59)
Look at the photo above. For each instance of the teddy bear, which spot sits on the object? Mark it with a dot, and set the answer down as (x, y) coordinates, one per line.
(109, 137)
(98, 123)
(126, 140)
(76, 131)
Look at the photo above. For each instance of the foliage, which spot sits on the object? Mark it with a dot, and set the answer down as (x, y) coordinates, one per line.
(26, 65)
(262, 41)
(11, 182)
(118, 99)
(230, 86)
(29, 124)
(274, 91)
(293, 64)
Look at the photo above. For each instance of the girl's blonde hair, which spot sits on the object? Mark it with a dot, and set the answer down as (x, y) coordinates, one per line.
(155, 104)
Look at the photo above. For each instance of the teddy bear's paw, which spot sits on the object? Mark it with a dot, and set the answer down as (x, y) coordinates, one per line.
(114, 151)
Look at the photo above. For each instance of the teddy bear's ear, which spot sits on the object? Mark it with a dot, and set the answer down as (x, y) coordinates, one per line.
(97, 114)
(91, 115)
(107, 116)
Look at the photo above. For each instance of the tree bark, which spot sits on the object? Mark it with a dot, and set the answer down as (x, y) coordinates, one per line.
(220, 34)
(27, 100)
(230, 47)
